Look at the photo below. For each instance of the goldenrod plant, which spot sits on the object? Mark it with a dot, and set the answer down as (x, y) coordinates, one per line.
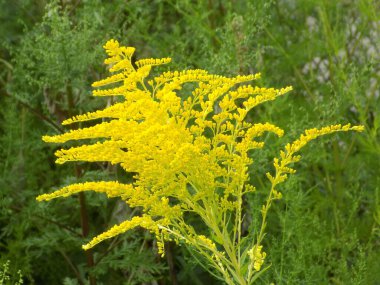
(185, 137)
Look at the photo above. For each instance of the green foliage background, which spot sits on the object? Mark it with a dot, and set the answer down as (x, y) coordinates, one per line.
(326, 230)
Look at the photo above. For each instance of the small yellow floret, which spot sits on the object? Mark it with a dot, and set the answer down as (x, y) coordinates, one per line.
(257, 257)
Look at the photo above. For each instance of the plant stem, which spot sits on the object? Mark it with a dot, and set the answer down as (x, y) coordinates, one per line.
(36, 113)
(170, 260)
(85, 228)
(85, 232)
(72, 266)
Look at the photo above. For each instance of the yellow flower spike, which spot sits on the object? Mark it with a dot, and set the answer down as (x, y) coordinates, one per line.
(106, 129)
(111, 151)
(112, 47)
(111, 188)
(257, 257)
(117, 111)
(111, 79)
(314, 133)
(152, 61)
(144, 222)
(206, 242)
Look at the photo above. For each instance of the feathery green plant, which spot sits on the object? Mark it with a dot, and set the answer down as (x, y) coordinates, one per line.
(6, 278)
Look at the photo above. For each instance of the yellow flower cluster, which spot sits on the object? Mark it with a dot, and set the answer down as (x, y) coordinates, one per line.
(257, 256)
(152, 61)
(288, 156)
(206, 242)
(111, 188)
(190, 153)
(145, 222)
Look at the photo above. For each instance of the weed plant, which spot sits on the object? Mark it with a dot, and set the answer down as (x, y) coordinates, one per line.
(325, 230)
(189, 154)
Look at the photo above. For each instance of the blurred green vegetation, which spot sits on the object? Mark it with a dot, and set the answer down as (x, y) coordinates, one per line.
(326, 230)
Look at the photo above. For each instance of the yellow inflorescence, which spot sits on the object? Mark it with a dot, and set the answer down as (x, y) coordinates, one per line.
(152, 61)
(206, 242)
(189, 151)
(111, 188)
(257, 256)
(291, 149)
(144, 222)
